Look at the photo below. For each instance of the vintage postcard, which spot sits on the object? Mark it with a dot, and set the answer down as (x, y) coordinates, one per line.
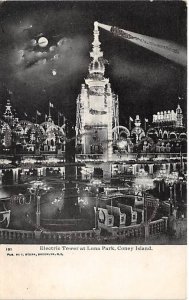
(93, 149)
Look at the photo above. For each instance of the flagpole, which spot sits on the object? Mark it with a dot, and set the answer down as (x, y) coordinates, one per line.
(49, 109)
(181, 161)
(64, 120)
(36, 117)
(129, 124)
(58, 119)
(145, 124)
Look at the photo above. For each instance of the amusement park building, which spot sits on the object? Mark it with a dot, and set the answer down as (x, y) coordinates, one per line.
(22, 136)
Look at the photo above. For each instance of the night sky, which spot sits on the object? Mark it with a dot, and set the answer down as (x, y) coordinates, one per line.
(32, 75)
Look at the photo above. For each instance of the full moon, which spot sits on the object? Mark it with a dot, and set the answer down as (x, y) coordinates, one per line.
(42, 42)
(54, 72)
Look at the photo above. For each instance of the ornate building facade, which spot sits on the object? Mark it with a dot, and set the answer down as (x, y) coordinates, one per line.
(23, 137)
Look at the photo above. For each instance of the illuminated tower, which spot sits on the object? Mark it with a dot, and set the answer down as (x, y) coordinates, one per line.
(49, 118)
(8, 115)
(179, 122)
(97, 110)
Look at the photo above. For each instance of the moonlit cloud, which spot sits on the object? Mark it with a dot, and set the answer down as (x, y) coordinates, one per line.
(32, 57)
(52, 48)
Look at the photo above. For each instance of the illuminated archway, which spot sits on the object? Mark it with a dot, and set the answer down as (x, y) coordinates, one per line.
(120, 131)
(173, 135)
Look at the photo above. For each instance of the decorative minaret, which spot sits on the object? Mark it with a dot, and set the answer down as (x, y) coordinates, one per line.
(137, 130)
(8, 115)
(49, 118)
(137, 121)
(97, 110)
(179, 117)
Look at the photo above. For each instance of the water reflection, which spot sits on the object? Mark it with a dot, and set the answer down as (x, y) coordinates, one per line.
(59, 204)
(68, 204)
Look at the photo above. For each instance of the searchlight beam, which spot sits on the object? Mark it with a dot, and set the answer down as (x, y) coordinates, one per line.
(164, 48)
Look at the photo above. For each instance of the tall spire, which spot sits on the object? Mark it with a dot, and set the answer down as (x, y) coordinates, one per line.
(96, 53)
(97, 64)
(49, 118)
(8, 115)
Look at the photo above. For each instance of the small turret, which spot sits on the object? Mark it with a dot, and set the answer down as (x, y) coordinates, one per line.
(179, 117)
(8, 115)
(49, 118)
(179, 110)
(137, 121)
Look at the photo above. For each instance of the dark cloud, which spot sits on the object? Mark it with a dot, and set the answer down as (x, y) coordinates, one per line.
(148, 75)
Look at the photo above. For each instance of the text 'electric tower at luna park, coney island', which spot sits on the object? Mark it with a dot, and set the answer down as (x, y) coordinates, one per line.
(97, 115)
